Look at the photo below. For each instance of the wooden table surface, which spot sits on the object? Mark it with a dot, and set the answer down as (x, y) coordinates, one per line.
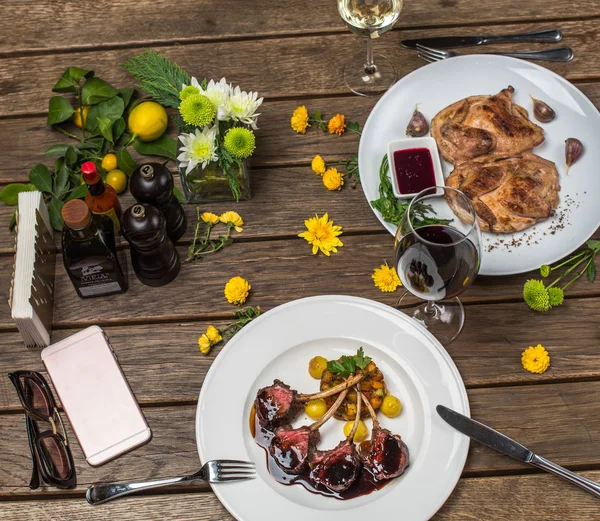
(290, 52)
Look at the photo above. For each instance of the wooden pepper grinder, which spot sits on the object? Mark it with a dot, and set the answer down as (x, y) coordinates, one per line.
(153, 256)
(152, 183)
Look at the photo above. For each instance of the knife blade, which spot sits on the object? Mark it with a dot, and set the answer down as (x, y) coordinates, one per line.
(447, 42)
(484, 434)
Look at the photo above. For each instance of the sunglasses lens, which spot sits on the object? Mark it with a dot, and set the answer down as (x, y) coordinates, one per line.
(56, 455)
(36, 397)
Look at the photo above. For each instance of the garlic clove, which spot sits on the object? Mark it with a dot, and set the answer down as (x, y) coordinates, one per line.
(417, 126)
(573, 150)
(542, 111)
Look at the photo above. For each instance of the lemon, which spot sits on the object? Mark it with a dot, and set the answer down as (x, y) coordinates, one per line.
(109, 162)
(117, 179)
(78, 114)
(148, 121)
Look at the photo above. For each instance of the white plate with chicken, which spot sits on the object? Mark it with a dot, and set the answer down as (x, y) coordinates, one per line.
(334, 398)
(500, 125)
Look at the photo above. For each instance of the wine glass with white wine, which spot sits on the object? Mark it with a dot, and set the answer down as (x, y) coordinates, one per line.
(369, 19)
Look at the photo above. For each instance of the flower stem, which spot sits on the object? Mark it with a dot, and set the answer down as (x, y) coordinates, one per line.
(569, 260)
(569, 271)
(67, 133)
(580, 273)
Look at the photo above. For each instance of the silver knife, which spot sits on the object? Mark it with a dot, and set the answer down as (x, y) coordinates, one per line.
(447, 42)
(498, 441)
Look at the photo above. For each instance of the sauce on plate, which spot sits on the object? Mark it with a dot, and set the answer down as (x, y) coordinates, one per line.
(414, 171)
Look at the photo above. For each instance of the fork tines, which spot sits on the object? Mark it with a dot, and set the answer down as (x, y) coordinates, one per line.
(431, 55)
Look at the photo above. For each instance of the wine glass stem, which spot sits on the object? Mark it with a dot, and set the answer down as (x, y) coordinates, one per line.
(431, 308)
(370, 67)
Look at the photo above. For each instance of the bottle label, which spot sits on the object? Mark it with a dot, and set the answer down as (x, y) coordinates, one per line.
(96, 279)
(113, 215)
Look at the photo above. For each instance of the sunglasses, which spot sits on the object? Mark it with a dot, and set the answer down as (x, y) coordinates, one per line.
(52, 458)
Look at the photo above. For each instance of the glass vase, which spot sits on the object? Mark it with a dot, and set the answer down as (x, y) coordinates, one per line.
(210, 184)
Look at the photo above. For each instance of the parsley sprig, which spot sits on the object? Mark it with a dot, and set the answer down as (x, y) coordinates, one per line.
(347, 365)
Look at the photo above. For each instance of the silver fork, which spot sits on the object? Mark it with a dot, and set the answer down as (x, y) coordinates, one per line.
(558, 54)
(214, 471)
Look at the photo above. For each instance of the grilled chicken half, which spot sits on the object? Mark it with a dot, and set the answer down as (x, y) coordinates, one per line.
(481, 128)
(508, 194)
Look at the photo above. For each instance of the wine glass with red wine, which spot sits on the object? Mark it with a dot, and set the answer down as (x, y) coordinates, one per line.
(437, 255)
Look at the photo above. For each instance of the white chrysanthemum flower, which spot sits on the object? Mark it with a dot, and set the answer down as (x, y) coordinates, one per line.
(218, 93)
(194, 83)
(199, 148)
(241, 106)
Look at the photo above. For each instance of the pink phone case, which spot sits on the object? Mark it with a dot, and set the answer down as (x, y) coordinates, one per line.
(95, 395)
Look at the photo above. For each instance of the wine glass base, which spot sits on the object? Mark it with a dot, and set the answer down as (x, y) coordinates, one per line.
(364, 82)
(444, 319)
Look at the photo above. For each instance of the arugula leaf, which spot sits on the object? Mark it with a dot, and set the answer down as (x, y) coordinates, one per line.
(362, 361)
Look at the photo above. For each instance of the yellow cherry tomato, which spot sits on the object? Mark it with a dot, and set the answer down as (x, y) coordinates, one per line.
(117, 179)
(109, 162)
(315, 409)
(317, 366)
(361, 431)
(77, 117)
(391, 406)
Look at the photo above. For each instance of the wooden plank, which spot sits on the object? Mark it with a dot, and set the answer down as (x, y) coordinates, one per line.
(143, 22)
(163, 364)
(313, 62)
(559, 422)
(506, 498)
(279, 271)
(277, 144)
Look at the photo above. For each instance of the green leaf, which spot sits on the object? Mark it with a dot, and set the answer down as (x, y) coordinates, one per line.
(13, 220)
(345, 366)
(40, 176)
(10, 193)
(317, 115)
(96, 90)
(88, 146)
(71, 157)
(593, 244)
(59, 110)
(118, 128)
(125, 162)
(57, 150)
(70, 79)
(54, 208)
(591, 270)
(177, 193)
(164, 146)
(353, 125)
(61, 181)
(111, 109)
(124, 139)
(104, 147)
(126, 95)
(105, 127)
(78, 192)
(362, 361)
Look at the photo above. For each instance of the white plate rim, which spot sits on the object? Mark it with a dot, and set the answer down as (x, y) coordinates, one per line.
(470, 58)
(434, 344)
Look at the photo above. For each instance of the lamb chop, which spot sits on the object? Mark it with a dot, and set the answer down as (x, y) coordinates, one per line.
(279, 404)
(387, 456)
(290, 447)
(339, 467)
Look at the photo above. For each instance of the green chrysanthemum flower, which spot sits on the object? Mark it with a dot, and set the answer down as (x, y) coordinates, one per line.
(240, 142)
(190, 90)
(536, 295)
(556, 296)
(544, 270)
(197, 110)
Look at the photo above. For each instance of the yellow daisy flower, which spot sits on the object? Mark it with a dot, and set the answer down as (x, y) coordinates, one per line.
(332, 179)
(318, 165)
(232, 219)
(210, 218)
(213, 334)
(236, 290)
(299, 120)
(385, 278)
(336, 124)
(535, 359)
(204, 344)
(322, 234)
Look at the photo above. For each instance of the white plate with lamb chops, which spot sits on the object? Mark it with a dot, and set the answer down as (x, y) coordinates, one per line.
(278, 345)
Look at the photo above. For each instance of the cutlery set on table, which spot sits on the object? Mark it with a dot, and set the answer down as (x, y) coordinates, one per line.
(435, 49)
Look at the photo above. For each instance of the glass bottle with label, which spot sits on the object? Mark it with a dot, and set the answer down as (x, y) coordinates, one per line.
(89, 252)
(101, 198)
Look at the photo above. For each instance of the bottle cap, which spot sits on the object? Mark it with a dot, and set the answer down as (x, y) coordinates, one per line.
(90, 173)
(76, 214)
